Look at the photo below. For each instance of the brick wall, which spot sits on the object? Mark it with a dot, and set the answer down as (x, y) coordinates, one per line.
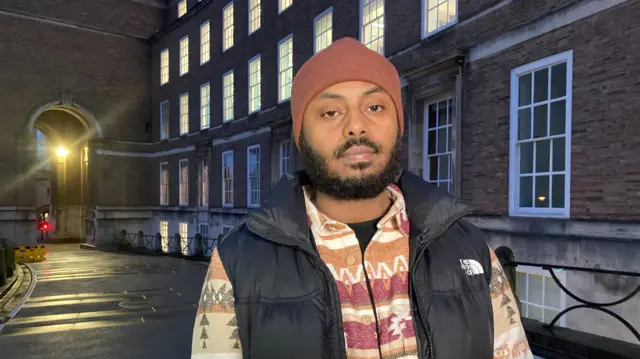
(605, 182)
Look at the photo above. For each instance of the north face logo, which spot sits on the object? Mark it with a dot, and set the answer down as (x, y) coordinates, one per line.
(471, 266)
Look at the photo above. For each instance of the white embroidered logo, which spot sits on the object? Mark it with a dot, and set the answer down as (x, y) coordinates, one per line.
(471, 266)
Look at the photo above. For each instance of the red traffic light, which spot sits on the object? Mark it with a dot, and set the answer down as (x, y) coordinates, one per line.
(44, 226)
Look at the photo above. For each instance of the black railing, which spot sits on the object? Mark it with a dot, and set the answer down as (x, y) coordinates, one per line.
(197, 248)
(509, 265)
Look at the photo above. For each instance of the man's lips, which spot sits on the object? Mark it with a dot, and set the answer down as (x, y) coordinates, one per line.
(359, 153)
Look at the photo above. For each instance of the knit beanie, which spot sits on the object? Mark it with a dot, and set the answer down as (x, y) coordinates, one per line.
(346, 59)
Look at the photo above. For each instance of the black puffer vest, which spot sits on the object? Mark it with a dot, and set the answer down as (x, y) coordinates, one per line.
(287, 302)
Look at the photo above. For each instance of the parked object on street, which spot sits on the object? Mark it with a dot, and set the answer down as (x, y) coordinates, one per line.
(27, 254)
(9, 256)
(3, 267)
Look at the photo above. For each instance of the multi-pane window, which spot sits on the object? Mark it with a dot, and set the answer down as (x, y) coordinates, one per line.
(438, 14)
(183, 181)
(164, 66)
(205, 105)
(183, 230)
(540, 297)
(227, 179)
(372, 24)
(227, 96)
(204, 182)
(540, 137)
(253, 176)
(285, 157)
(164, 183)
(184, 55)
(285, 67)
(182, 8)
(254, 15)
(205, 42)
(323, 30)
(255, 79)
(184, 113)
(227, 27)
(164, 120)
(204, 230)
(438, 144)
(283, 5)
(164, 235)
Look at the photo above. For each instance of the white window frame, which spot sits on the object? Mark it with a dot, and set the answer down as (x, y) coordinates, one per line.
(182, 8)
(424, 26)
(362, 24)
(164, 66)
(183, 191)
(204, 182)
(228, 95)
(183, 230)
(224, 186)
(200, 227)
(205, 42)
(184, 113)
(249, 188)
(514, 153)
(164, 120)
(163, 229)
(257, 84)
(562, 277)
(288, 69)
(450, 148)
(320, 16)
(284, 5)
(205, 105)
(164, 165)
(184, 55)
(227, 28)
(257, 7)
(282, 159)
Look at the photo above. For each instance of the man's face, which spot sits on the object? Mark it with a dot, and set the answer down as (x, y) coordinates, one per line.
(350, 140)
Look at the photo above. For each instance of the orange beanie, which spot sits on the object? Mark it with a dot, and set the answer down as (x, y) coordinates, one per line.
(345, 60)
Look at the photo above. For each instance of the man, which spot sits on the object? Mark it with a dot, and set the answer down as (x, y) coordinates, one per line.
(355, 258)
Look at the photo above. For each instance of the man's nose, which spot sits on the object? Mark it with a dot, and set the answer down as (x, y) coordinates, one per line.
(355, 124)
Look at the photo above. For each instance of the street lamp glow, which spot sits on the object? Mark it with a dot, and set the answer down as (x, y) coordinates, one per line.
(62, 152)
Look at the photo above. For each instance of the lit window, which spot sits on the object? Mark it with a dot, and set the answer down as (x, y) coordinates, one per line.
(184, 55)
(540, 297)
(438, 14)
(254, 15)
(283, 5)
(205, 42)
(164, 183)
(164, 120)
(227, 96)
(285, 157)
(164, 66)
(42, 149)
(285, 68)
(227, 179)
(438, 145)
(255, 79)
(253, 176)
(164, 235)
(182, 8)
(227, 26)
(183, 180)
(372, 20)
(540, 131)
(204, 182)
(184, 113)
(323, 30)
(184, 237)
(205, 105)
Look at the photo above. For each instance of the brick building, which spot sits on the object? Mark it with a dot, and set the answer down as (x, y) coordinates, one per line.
(523, 109)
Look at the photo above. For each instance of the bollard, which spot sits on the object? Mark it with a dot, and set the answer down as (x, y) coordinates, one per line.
(3, 268)
(9, 256)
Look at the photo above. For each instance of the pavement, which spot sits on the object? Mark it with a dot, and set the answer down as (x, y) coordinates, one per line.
(99, 305)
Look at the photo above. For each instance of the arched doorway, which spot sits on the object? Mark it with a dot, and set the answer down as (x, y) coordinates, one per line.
(61, 131)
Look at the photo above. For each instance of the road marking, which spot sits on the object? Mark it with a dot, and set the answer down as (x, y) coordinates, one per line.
(72, 302)
(141, 318)
(75, 326)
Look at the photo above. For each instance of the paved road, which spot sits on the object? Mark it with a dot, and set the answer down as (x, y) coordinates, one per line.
(91, 304)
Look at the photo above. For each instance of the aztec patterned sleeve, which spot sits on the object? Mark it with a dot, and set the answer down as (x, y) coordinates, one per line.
(215, 332)
(510, 340)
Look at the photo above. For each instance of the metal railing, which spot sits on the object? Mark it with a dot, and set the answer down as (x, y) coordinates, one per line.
(197, 248)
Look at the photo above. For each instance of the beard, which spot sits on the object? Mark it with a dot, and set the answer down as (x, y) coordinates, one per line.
(362, 186)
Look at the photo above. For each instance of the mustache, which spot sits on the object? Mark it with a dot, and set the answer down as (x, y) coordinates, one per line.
(362, 141)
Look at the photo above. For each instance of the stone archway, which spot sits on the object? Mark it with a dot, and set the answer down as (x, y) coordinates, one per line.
(61, 183)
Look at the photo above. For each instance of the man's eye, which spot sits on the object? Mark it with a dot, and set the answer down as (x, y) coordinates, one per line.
(330, 113)
(376, 108)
